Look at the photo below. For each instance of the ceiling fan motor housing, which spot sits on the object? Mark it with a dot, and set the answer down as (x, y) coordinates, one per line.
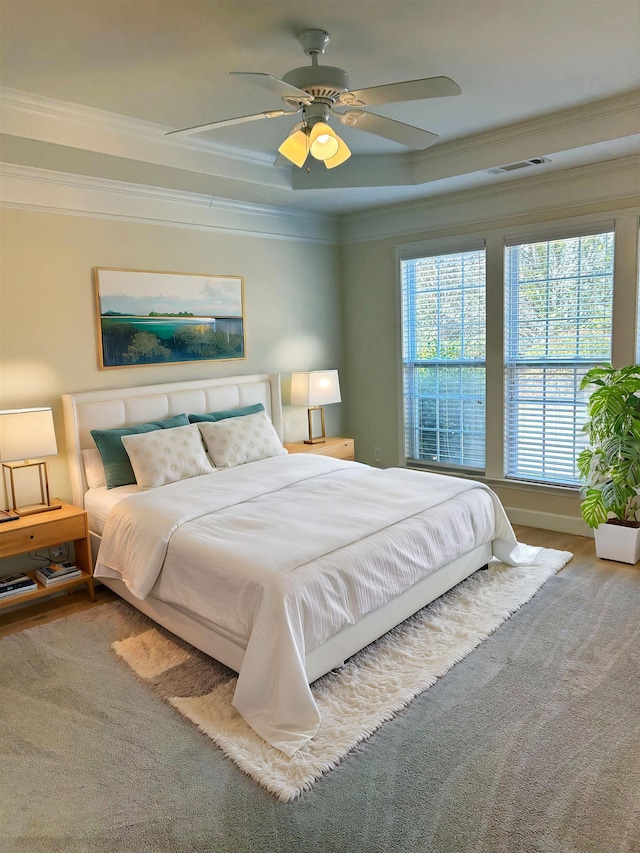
(321, 81)
(315, 91)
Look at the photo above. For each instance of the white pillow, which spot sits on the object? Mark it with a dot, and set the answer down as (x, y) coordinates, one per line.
(235, 441)
(166, 455)
(93, 468)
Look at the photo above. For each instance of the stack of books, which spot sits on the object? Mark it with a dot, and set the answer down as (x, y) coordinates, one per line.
(57, 573)
(15, 584)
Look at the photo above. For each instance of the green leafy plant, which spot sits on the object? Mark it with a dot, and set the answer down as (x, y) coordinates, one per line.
(610, 465)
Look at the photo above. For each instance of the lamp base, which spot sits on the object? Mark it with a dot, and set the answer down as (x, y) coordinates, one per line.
(319, 439)
(32, 509)
(45, 502)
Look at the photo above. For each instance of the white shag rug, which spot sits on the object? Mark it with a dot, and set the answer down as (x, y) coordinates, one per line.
(354, 701)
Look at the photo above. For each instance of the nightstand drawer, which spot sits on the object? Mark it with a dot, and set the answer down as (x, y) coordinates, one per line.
(41, 530)
(339, 450)
(30, 538)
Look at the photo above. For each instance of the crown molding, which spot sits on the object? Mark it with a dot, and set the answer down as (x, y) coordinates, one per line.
(623, 110)
(595, 184)
(41, 190)
(85, 128)
(43, 107)
(47, 191)
(567, 130)
(74, 126)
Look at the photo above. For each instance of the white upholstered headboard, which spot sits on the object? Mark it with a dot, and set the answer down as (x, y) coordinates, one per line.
(120, 407)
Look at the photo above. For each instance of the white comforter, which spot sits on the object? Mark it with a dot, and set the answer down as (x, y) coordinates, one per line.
(283, 553)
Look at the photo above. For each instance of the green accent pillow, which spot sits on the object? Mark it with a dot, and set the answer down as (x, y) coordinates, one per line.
(117, 468)
(227, 413)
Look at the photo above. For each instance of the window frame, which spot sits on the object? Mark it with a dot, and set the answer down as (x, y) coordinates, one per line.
(418, 251)
(515, 367)
(626, 308)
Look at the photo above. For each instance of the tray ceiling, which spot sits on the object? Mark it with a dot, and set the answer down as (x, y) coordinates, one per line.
(91, 86)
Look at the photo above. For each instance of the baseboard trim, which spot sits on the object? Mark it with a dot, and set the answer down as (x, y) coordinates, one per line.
(548, 521)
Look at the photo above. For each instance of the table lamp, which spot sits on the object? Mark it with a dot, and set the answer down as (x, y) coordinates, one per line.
(24, 435)
(315, 389)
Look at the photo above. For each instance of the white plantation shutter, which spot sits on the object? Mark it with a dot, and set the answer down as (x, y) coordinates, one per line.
(558, 316)
(443, 328)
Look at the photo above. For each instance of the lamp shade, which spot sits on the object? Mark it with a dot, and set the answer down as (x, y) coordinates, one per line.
(340, 157)
(315, 388)
(320, 141)
(296, 146)
(26, 434)
(323, 142)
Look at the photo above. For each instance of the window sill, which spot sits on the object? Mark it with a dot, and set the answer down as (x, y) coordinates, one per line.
(501, 482)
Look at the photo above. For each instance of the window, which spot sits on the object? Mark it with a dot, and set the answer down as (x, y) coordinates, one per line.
(558, 316)
(443, 302)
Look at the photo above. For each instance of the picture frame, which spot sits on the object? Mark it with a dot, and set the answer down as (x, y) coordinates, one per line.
(148, 318)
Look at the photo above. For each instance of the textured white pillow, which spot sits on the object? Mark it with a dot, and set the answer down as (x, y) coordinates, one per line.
(235, 441)
(166, 455)
(93, 468)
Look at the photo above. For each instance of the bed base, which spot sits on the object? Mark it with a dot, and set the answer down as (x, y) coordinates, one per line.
(123, 406)
(334, 651)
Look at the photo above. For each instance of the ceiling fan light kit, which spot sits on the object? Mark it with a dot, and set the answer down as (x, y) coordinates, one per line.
(341, 156)
(318, 91)
(320, 141)
(296, 146)
(323, 143)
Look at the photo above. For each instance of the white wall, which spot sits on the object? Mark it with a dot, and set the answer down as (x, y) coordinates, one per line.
(372, 378)
(308, 305)
(48, 315)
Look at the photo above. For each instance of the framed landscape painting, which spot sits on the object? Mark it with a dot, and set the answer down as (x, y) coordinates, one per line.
(162, 318)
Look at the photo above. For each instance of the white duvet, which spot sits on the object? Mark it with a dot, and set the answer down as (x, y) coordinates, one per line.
(283, 553)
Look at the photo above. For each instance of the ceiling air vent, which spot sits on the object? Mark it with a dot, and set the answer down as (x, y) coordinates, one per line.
(521, 164)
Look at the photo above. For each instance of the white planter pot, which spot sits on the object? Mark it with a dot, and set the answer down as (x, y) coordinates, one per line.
(615, 542)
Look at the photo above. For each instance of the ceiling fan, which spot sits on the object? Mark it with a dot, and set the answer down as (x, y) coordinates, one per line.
(318, 91)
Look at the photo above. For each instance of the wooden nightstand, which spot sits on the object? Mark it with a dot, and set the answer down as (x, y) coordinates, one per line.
(339, 448)
(32, 532)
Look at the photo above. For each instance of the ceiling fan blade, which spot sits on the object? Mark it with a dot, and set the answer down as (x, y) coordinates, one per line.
(409, 90)
(200, 128)
(405, 134)
(275, 85)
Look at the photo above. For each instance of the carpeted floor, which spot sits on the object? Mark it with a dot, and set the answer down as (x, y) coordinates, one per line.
(355, 700)
(529, 745)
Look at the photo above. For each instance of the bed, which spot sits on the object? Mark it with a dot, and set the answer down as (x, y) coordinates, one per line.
(283, 567)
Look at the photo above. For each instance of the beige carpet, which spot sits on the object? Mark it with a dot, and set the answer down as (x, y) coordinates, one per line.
(354, 701)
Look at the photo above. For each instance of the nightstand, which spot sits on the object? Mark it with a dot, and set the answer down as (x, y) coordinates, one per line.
(339, 448)
(32, 532)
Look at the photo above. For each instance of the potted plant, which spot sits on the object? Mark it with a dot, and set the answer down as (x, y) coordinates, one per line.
(610, 465)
